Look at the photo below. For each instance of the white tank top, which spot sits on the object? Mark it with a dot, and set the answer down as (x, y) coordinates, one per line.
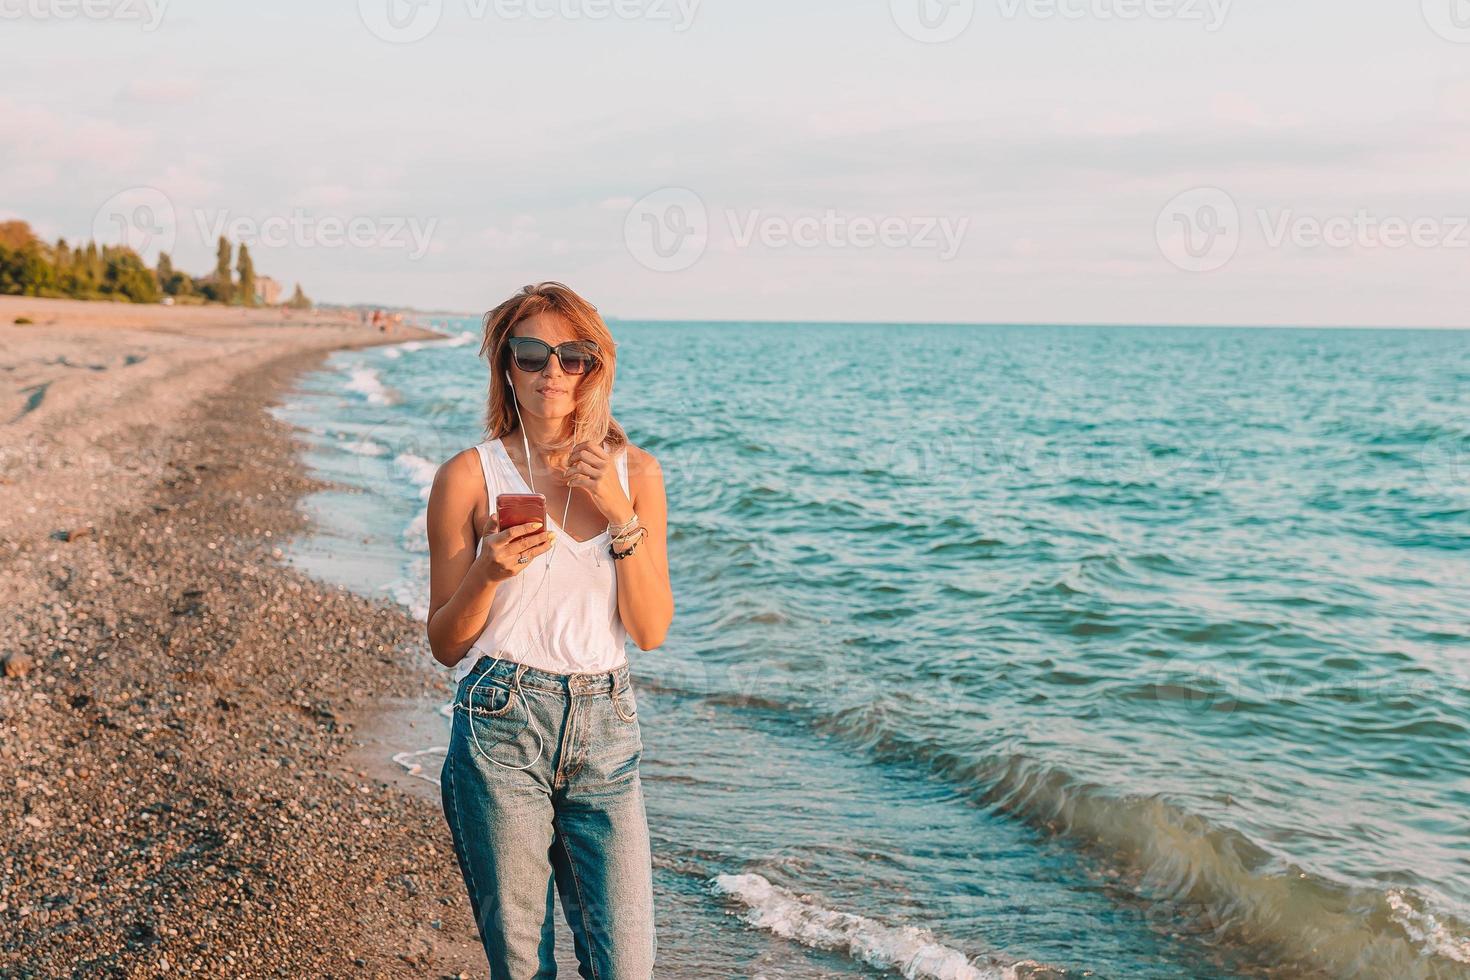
(568, 623)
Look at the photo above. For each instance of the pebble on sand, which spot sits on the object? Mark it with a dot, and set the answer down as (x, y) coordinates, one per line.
(18, 665)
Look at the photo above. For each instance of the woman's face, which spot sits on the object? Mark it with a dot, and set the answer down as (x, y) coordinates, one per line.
(549, 392)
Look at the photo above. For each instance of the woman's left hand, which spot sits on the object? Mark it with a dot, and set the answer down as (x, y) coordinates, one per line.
(592, 468)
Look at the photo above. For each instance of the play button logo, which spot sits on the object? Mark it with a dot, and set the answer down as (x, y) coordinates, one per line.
(400, 21)
(1450, 19)
(933, 21)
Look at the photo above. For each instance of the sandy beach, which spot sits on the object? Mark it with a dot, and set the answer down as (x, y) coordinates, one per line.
(177, 703)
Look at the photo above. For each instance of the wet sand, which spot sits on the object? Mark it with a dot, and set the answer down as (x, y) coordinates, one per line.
(178, 704)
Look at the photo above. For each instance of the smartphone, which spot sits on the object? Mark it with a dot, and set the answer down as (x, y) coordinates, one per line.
(520, 508)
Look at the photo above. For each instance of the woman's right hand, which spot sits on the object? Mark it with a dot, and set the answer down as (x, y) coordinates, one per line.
(500, 549)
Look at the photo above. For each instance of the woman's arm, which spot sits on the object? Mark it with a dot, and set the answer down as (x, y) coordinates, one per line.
(645, 597)
(461, 585)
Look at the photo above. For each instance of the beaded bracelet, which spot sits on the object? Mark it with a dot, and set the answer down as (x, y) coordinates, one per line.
(636, 537)
(620, 555)
(627, 536)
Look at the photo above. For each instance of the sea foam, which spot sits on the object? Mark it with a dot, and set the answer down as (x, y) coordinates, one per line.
(419, 470)
(913, 952)
(366, 382)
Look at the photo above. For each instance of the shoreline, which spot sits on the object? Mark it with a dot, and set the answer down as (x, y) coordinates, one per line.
(189, 794)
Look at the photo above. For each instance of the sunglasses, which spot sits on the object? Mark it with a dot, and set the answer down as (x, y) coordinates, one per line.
(575, 356)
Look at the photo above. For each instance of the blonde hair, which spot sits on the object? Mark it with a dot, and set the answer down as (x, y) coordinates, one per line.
(592, 419)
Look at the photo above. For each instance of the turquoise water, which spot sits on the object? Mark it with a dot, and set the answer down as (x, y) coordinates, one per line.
(1137, 651)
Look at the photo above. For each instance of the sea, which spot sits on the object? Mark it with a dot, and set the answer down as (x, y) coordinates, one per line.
(1009, 651)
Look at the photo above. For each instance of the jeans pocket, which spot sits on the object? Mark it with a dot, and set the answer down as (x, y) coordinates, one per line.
(624, 703)
(486, 699)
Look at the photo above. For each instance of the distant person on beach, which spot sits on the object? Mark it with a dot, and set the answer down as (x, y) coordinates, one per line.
(540, 785)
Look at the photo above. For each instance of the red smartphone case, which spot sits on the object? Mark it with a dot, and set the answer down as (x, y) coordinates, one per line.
(520, 508)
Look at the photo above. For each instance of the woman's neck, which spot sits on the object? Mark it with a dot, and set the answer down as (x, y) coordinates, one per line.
(541, 433)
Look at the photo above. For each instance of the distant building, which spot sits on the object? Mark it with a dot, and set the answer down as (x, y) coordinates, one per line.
(268, 290)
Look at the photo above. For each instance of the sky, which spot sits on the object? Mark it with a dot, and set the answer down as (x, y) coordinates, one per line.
(1257, 162)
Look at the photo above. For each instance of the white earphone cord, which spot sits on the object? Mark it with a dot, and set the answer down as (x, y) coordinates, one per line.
(520, 608)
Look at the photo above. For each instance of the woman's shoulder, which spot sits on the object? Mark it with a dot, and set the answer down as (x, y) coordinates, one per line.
(638, 455)
(642, 464)
(460, 471)
(463, 458)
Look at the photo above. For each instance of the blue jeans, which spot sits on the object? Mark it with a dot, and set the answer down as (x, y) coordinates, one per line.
(570, 815)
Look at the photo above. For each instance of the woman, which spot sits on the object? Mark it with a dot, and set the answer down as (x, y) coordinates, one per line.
(541, 782)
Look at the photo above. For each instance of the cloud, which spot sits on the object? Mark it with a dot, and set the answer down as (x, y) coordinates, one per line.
(1452, 100)
(186, 182)
(1235, 109)
(521, 234)
(160, 91)
(40, 136)
(324, 196)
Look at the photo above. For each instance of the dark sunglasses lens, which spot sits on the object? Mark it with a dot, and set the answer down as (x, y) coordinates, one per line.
(577, 360)
(530, 356)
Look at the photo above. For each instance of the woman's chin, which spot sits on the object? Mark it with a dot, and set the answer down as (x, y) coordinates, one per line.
(554, 410)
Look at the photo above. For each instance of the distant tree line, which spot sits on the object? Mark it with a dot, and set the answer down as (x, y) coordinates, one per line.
(32, 267)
